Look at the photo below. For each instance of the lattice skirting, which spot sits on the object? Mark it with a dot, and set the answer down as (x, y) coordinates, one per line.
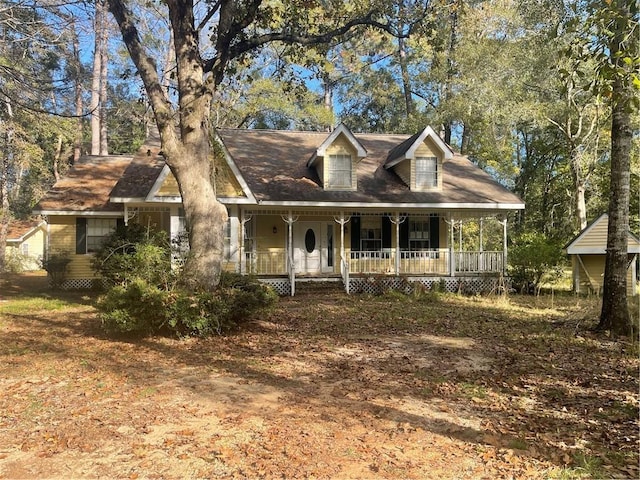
(466, 285)
(81, 284)
(281, 285)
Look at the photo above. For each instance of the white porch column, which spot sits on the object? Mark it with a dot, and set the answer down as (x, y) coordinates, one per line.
(397, 220)
(504, 246)
(174, 221)
(290, 220)
(344, 264)
(342, 221)
(243, 257)
(234, 237)
(452, 239)
(481, 246)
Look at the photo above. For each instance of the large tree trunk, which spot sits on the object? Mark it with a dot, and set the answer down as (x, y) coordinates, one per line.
(186, 146)
(615, 311)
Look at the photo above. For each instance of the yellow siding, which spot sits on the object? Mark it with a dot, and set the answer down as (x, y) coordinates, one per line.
(169, 187)
(63, 242)
(226, 184)
(155, 221)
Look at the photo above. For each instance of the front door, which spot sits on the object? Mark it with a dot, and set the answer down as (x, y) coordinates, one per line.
(313, 247)
(307, 247)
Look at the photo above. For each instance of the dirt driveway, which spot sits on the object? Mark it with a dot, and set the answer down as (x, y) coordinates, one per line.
(331, 387)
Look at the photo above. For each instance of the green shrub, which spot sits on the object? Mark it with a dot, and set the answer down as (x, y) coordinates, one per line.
(533, 257)
(142, 308)
(136, 307)
(56, 267)
(133, 252)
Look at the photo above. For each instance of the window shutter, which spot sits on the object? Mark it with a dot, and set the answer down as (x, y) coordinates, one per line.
(434, 232)
(120, 223)
(386, 232)
(81, 236)
(404, 234)
(355, 234)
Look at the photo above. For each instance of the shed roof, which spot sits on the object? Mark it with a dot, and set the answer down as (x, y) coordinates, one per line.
(593, 239)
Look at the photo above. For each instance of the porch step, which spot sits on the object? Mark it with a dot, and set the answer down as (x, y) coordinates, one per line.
(318, 287)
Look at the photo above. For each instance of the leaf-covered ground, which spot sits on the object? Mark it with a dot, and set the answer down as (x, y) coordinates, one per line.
(324, 386)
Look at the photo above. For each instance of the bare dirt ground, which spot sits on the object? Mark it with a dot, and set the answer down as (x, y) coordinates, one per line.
(323, 386)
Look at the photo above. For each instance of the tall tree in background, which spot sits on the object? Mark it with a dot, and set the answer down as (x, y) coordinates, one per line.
(99, 81)
(240, 28)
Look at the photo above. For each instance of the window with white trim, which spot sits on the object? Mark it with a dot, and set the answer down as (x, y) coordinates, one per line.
(98, 229)
(227, 240)
(426, 172)
(25, 249)
(419, 234)
(370, 234)
(340, 171)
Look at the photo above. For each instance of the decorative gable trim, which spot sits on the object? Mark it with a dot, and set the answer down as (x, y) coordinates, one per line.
(342, 129)
(407, 149)
(157, 185)
(249, 196)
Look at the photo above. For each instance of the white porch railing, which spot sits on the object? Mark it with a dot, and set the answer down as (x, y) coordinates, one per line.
(479, 262)
(372, 262)
(426, 262)
(267, 263)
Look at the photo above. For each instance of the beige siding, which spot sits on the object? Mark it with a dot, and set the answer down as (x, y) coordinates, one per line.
(595, 237)
(589, 273)
(403, 170)
(226, 183)
(427, 149)
(155, 221)
(341, 146)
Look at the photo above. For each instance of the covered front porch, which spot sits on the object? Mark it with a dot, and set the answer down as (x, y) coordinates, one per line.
(286, 247)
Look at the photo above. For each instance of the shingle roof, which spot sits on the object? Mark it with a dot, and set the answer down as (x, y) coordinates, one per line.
(142, 172)
(17, 229)
(273, 163)
(86, 187)
(274, 166)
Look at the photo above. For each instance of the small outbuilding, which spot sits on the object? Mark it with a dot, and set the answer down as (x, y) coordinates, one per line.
(26, 244)
(588, 255)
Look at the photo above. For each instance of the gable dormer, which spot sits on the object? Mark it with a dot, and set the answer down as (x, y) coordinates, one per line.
(418, 161)
(336, 158)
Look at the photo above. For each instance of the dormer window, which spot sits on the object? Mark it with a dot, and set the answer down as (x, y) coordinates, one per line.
(340, 171)
(419, 160)
(336, 158)
(426, 172)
